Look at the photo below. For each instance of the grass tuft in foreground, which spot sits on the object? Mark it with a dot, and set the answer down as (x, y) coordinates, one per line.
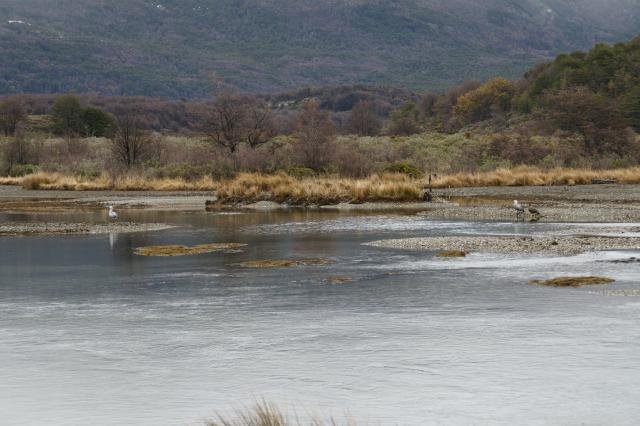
(573, 281)
(262, 414)
(266, 414)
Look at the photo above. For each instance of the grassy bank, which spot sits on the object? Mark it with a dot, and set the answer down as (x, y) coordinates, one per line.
(104, 182)
(253, 187)
(533, 176)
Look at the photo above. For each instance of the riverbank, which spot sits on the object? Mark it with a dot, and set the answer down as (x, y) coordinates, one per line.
(256, 186)
(580, 203)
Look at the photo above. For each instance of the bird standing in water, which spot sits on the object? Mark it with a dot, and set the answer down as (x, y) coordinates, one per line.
(519, 208)
(535, 213)
(112, 213)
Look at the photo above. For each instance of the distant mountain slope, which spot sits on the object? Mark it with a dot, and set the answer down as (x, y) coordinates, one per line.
(176, 48)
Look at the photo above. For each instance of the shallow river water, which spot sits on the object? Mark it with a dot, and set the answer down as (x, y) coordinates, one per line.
(92, 334)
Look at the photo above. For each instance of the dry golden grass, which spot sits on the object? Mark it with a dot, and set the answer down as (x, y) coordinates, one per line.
(56, 181)
(251, 187)
(8, 180)
(532, 176)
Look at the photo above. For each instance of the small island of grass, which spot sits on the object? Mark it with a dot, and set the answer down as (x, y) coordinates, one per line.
(572, 281)
(179, 250)
(281, 263)
(452, 253)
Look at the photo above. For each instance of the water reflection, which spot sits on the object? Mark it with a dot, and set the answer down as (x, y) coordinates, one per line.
(113, 239)
(91, 333)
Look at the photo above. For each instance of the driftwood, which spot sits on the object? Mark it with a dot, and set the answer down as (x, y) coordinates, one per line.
(603, 181)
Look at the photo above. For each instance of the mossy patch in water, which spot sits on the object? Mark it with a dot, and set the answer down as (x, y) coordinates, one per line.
(452, 253)
(339, 280)
(179, 250)
(281, 263)
(573, 281)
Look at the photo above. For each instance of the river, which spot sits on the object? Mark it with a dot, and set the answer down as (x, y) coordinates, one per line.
(90, 333)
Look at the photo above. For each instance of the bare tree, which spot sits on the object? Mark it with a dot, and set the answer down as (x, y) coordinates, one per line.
(237, 119)
(131, 141)
(363, 119)
(315, 132)
(260, 126)
(11, 114)
(16, 149)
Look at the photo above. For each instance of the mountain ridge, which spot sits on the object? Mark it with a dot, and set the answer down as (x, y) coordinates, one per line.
(187, 48)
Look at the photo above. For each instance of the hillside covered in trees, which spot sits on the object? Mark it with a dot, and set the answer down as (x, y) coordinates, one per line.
(187, 48)
(580, 110)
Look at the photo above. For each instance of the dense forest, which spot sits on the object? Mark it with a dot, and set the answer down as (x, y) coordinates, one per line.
(187, 48)
(582, 109)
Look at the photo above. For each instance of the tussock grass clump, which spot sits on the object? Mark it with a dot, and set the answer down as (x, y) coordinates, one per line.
(281, 263)
(573, 281)
(266, 414)
(452, 253)
(533, 176)
(262, 414)
(178, 250)
(254, 187)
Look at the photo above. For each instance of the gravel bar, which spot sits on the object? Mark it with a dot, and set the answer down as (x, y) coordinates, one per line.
(559, 245)
(13, 229)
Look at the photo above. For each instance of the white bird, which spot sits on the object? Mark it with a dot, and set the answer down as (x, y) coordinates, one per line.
(519, 208)
(112, 213)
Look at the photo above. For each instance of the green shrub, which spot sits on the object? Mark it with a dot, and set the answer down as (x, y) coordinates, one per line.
(299, 172)
(19, 170)
(404, 168)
